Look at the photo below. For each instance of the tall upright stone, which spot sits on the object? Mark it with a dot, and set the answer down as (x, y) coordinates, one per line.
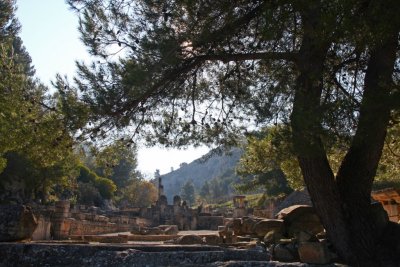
(61, 225)
(17, 222)
(160, 187)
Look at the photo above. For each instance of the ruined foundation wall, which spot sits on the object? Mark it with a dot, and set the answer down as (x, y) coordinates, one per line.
(60, 222)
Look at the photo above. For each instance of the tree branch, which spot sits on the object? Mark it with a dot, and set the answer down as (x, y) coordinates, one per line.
(193, 62)
(225, 58)
(229, 28)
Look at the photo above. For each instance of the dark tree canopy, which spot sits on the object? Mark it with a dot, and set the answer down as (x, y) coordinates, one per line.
(200, 71)
(36, 156)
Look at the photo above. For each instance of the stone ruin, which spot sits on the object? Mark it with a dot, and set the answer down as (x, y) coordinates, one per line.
(65, 221)
(293, 235)
(390, 200)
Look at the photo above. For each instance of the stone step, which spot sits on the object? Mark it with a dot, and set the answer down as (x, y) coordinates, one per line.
(17, 254)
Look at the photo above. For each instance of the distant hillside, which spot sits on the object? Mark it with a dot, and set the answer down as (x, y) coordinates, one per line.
(211, 166)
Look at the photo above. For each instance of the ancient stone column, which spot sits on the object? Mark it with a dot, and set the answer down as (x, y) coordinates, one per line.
(60, 224)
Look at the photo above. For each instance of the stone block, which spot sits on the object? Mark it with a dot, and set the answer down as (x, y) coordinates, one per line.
(239, 212)
(189, 240)
(247, 226)
(62, 208)
(314, 253)
(282, 253)
(212, 239)
(62, 228)
(230, 238)
(262, 227)
(42, 231)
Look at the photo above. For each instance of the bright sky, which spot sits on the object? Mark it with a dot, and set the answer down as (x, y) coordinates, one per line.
(50, 35)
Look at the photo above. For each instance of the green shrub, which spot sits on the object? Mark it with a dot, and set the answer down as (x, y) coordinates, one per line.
(105, 186)
(88, 195)
(86, 175)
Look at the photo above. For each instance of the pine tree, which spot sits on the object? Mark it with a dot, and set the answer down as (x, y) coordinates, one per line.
(188, 193)
(204, 72)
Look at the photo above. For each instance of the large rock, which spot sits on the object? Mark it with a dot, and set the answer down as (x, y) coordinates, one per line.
(17, 222)
(261, 228)
(300, 218)
(314, 253)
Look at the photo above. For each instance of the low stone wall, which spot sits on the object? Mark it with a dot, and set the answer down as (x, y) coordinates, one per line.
(60, 222)
(15, 254)
(93, 227)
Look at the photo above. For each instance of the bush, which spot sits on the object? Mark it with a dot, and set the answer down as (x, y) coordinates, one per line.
(86, 175)
(105, 186)
(138, 193)
(88, 195)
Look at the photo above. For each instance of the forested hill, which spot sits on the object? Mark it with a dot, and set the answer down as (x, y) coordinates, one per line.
(216, 168)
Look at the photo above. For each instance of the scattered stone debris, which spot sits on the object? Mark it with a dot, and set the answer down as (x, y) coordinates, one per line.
(296, 235)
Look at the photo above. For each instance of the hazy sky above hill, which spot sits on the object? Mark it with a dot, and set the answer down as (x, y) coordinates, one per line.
(50, 35)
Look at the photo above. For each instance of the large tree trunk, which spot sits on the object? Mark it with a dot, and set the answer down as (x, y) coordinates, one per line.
(306, 128)
(358, 169)
(344, 204)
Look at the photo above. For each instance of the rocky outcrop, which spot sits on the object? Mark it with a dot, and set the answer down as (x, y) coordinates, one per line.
(290, 221)
(17, 222)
